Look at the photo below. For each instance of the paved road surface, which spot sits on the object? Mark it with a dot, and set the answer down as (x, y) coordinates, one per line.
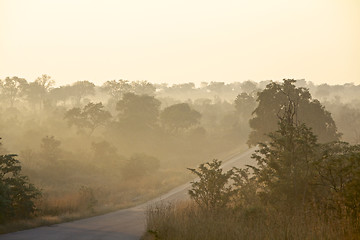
(127, 224)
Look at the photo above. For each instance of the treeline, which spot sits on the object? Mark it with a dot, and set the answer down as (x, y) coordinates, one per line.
(300, 188)
(15, 89)
(341, 100)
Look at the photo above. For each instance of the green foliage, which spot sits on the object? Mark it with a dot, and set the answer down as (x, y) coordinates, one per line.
(293, 169)
(284, 167)
(338, 171)
(246, 186)
(295, 178)
(212, 191)
(272, 102)
(16, 193)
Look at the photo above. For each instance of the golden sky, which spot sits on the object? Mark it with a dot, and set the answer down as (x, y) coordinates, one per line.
(181, 41)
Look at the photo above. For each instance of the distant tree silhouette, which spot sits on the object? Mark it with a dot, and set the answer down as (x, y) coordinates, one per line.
(216, 87)
(36, 92)
(248, 87)
(81, 89)
(12, 89)
(140, 165)
(245, 104)
(143, 88)
(105, 153)
(89, 117)
(116, 89)
(138, 112)
(50, 149)
(60, 94)
(179, 117)
(45, 81)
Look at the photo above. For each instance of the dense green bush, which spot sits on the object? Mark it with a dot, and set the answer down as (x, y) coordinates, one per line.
(16, 192)
(212, 191)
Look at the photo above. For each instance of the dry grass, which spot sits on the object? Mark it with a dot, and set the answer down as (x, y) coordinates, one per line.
(53, 210)
(64, 202)
(61, 205)
(184, 220)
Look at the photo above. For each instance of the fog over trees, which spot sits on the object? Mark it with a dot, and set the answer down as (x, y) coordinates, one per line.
(304, 183)
(126, 141)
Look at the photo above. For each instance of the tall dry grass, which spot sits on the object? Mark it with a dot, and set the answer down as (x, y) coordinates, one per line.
(59, 205)
(52, 210)
(184, 220)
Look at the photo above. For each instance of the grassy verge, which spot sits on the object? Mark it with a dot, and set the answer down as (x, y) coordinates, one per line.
(184, 220)
(57, 207)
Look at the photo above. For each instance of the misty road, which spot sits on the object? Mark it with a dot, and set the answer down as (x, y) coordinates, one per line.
(126, 224)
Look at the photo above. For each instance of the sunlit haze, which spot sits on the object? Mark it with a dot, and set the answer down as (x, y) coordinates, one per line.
(181, 41)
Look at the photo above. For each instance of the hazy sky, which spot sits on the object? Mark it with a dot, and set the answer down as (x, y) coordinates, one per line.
(181, 41)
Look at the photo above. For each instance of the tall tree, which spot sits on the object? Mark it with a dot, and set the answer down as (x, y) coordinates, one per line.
(285, 163)
(272, 102)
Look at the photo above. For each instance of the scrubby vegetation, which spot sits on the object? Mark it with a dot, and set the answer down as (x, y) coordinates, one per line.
(299, 189)
(91, 149)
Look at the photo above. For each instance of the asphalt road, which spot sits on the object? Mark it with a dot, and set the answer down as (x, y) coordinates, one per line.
(126, 224)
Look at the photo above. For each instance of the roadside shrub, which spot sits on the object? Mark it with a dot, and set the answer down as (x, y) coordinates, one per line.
(17, 194)
(212, 191)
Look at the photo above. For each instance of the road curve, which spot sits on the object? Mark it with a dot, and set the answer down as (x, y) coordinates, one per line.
(126, 224)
